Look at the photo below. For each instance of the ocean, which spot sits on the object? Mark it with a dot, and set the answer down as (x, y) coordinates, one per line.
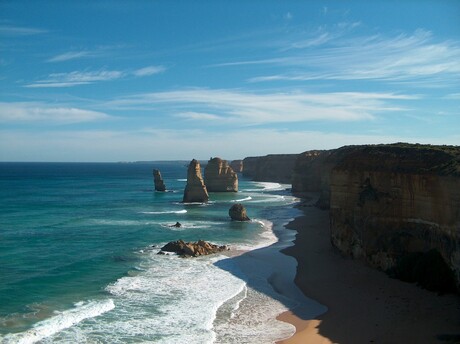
(79, 262)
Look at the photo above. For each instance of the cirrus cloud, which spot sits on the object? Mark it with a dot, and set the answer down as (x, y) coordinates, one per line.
(45, 113)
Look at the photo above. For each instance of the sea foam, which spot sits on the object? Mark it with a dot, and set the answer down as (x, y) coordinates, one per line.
(61, 321)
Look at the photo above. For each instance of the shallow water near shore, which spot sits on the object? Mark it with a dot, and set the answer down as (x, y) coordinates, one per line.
(79, 263)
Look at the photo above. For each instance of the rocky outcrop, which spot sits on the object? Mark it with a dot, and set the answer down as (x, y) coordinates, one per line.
(192, 249)
(158, 181)
(195, 190)
(237, 166)
(270, 168)
(237, 212)
(220, 177)
(391, 201)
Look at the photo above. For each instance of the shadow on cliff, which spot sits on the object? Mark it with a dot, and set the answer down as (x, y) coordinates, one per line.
(368, 306)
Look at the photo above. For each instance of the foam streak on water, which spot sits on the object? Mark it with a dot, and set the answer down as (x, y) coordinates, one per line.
(66, 319)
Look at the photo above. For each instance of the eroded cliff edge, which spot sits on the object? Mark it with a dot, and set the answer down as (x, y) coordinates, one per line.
(270, 168)
(388, 202)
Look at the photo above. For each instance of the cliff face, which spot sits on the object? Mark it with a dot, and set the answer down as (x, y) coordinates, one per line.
(237, 166)
(195, 190)
(220, 177)
(272, 168)
(390, 201)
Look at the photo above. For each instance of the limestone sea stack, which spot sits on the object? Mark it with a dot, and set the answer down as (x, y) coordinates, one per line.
(220, 177)
(195, 190)
(158, 181)
(238, 212)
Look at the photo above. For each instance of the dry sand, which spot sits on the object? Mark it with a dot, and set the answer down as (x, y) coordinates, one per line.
(364, 305)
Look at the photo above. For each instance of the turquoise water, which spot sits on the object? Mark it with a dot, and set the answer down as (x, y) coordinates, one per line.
(78, 260)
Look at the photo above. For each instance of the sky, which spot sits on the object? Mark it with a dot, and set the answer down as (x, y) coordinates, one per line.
(175, 80)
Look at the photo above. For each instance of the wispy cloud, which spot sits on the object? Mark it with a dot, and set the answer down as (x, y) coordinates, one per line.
(414, 57)
(150, 70)
(255, 108)
(200, 116)
(8, 30)
(40, 112)
(71, 55)
(76, 78)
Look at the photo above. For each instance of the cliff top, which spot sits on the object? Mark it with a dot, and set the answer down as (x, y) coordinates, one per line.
(401, 157)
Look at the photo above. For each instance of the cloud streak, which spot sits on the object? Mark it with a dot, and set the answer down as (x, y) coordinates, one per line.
(75, 78)
(335, 56)
(40, 112)
(71, 55)
(256, 108)
(7, 30)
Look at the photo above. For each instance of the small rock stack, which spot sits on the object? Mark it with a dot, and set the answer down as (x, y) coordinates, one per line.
(158, 181)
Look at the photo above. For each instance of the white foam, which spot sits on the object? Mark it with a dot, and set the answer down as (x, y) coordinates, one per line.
(174, 300)
(268, 186)
(191, 225)
(182, 180)
(243, 199)
(66, 319)
(183, 211)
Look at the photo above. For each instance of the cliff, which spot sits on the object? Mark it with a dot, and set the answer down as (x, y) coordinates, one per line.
(158, 181)
(220, 177)
(237, 166)
(271, 168)
(388, 202)
(195, 190)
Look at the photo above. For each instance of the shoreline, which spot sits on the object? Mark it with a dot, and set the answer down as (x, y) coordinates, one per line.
(364, 304)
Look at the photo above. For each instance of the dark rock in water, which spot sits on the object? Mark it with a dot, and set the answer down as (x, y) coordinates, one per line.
(159, 184)
(192, 249)
(177, 225)
(195, 190)
(238, 212)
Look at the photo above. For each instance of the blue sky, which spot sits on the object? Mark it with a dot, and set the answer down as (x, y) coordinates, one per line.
(165, 80)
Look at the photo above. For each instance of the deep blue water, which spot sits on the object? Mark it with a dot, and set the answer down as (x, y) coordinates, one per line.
(76, 254)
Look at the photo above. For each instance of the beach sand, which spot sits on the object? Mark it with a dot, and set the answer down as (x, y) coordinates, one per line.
(364, 304)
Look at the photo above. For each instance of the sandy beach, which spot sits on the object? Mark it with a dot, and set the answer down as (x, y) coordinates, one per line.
(364, 305)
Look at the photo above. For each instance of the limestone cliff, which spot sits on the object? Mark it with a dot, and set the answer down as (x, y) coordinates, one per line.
(220, 177)
(270, 168)
(195, 190)
(158, 181)
(237, 166)
(388, 201)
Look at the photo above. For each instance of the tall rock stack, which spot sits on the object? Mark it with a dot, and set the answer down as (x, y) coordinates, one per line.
(158, 181)
(220, 177)
(195, 190)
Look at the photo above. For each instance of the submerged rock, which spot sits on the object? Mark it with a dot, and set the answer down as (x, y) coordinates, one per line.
(238, 212)
(220, 177)
(159, 184)
(195, 190)
(177, 225)
(192, 249)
